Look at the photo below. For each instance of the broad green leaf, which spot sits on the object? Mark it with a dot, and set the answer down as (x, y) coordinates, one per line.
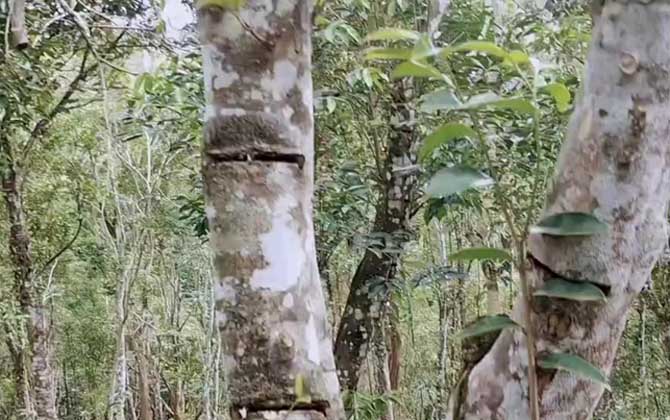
(388, 54)
(454, 180)
(443, 99)
(487, 324)
(224, 4)
(340, 31)
(574, 364)
(581, 291)
(479, 254)
(445, 134)
(490, 99)
(517, 57)
(479, 46)
(483, 100)
(569, 224)
(393, 34)
(561, 96)
(414, 69)
(424, 48)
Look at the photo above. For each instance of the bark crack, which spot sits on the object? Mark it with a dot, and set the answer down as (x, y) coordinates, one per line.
(258, 156)
(606, 289)
(320, 406)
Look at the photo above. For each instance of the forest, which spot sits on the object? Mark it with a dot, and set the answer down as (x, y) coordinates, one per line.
(334, 209)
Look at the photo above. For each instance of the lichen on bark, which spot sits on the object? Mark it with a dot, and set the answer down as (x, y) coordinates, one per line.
(258, 173)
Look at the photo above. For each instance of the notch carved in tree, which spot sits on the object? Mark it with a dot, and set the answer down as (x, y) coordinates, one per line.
(538, 265)
(257, 156)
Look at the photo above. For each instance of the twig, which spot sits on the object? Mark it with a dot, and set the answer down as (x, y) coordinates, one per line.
(63, 249)
(86, 33)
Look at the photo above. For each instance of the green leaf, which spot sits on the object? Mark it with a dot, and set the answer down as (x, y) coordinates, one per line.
(479, 46)
(517, 57)
(569, 224)
(442, 99)
(414, 69)
(393, 34)
(490, 99)
(561, 96)
(424, 48)
(224, 4)
(302, 390)
(574, 364)
(388, 54)
(487, 324)
(580, 291)
(456, 179)
(445, 134)
(479, 254)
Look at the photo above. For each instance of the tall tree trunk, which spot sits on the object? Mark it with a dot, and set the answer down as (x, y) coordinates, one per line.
(614, 164)
(393, 212)
(177, 402)
(445, 309)
(363, 310)
(119, 390)
(258, 173)
(36, 359)
(142, 350)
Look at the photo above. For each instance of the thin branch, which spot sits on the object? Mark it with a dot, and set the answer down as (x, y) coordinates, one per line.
(65, 247)
(83, 73)
(86, 33)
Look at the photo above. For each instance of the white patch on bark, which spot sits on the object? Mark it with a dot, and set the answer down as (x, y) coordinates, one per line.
(288, 112)
(286, 77)
(281, 248)
(230, 27)
(287, 302)
(284, 6)
(221, 319)
(210, 112)
(225, 79)
(224, 290)
(210, 212)
(232, 112)
(312, 342)
(305, 86)
(256, 95)
(257, 17)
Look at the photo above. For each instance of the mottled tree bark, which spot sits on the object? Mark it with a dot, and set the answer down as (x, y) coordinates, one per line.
(258, 172)
(394, 210)
(363, 309)
(40, 395)
(614, 164)
(493, 306)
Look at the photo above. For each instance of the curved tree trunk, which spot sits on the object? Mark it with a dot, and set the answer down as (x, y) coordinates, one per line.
(363, 311)
(614, 164)
(258, 174)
